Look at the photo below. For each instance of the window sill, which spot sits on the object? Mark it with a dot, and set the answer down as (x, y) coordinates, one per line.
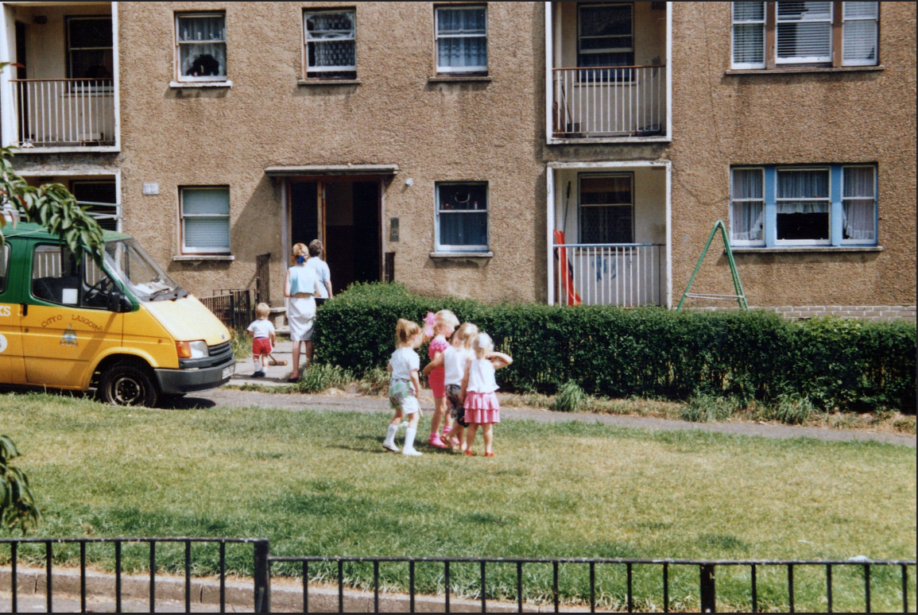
(186, 258)
(311, 82)
(803, 70)
(488, 254)
(181, 85)
(806, 249)
(459, 79)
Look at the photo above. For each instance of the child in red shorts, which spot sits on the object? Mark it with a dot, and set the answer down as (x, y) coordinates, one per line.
(262, 333)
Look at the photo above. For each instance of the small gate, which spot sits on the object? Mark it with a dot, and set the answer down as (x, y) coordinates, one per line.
(234, 307)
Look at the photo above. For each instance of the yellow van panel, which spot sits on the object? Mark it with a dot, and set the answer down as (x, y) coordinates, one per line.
(11, 365)
(187, 320)
(144, 333)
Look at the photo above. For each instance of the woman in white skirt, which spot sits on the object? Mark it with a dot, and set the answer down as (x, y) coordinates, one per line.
(299, 287)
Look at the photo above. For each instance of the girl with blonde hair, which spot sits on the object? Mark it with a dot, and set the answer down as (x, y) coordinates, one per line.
(404, 385)
(478, 391)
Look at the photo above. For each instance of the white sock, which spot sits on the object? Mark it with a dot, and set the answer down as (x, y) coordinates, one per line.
(410, 435)
(390, 434)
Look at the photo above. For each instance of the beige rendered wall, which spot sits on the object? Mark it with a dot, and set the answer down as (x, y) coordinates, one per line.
(484, 131)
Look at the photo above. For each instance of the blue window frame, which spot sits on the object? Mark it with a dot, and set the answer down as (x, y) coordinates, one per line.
(805, 205)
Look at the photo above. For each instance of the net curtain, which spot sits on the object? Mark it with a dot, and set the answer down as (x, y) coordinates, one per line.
(206, 55)
(748, 217)
(803, 185)
(858, 216)
(467, 51)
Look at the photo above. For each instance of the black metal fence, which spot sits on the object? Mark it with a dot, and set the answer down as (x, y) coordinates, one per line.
(259, 559)
(707, 592)
(43, 550)
(234, 307)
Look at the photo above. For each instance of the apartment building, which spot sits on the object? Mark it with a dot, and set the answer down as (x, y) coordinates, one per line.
(568, 152)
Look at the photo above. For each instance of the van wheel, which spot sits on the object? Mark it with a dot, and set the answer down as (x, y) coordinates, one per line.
(128, 385)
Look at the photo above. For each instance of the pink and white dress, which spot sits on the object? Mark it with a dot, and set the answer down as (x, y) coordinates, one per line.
(481, 405)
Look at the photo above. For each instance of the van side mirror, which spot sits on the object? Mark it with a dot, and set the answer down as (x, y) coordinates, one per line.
(118, 302)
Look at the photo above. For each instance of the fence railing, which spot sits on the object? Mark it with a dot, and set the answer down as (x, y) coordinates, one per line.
(893, 575)
(64, 112)
(609, 101)
(234, 308)
(259, 559)
(707, 588)
(626, 275)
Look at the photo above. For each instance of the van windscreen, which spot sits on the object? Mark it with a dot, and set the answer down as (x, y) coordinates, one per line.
(140, 273)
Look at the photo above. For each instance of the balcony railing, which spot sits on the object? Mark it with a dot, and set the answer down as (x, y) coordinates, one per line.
(627, 275)
(609, 101)
(64, 112)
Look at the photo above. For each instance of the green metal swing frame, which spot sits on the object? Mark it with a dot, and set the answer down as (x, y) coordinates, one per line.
(740, 296)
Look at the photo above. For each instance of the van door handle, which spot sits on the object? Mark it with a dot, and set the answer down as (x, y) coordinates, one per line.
(25, 309)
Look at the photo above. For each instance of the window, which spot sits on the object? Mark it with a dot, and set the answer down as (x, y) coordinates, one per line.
(205, 220)
(4, 267)
(804, 33)
(859, 205)
(462, 217)
(605, 35)
(747, 207)
(100, 199)
(331, 47)
(55, 275)
(829, 205)
(89, 48)
(462, 39)
(803, 206)
(607, 208)
(201, 46)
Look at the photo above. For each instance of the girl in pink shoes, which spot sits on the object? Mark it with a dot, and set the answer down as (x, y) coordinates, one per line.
(444, 323)
(454, 359)
(404, 386)
(478, 391)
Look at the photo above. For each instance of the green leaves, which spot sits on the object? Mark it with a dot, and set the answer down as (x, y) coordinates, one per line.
(652, 352)
(17, 505)
(53, 207)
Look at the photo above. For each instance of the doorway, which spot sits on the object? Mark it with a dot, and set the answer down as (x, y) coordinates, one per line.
(344, 213)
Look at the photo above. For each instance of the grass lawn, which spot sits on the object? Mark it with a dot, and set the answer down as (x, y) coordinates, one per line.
(320, 484)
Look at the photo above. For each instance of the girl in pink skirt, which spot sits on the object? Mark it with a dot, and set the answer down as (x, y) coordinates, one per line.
(478, 391)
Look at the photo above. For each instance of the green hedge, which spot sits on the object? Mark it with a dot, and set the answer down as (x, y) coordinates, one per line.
(650, 352)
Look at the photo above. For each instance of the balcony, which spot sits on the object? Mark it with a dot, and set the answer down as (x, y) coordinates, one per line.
(61, 93)
(608, 77)
(609, 234)
(64, 112)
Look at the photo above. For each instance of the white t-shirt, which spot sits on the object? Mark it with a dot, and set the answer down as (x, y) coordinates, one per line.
(323, 274)
(403, 361)
(481, 376)
(454, 365)
(261, 328)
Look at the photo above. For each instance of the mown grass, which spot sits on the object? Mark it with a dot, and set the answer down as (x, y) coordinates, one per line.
(319, 484)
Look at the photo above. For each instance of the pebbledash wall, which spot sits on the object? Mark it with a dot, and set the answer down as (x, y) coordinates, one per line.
(494, 130)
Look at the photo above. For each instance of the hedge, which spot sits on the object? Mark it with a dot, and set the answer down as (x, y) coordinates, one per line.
(648, 352)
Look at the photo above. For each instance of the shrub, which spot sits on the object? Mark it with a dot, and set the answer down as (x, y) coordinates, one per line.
(319, 377)
(707, 408)
(791, 409)
(647, 352)
(570, 398)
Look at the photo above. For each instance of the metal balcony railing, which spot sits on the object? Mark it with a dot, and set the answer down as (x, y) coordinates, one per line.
(64, 112)
(609, 101)
(626, 275)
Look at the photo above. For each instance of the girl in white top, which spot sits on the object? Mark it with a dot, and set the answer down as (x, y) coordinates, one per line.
(454, 359)
(404, 385)
(478, 390)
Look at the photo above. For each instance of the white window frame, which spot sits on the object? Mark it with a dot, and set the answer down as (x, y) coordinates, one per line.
(747, 242)
(438, 247)
(827, 200)
(580, 205)
(182, 216)
(876, 206)
(580, 36)
(804, 59)
(179, 43)
(845, 21)
(312, 70)
(438, 36)
(746, 22)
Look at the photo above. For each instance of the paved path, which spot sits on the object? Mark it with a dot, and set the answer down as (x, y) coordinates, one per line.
(357, 403)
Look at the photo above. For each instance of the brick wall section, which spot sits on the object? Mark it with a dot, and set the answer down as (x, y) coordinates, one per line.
(865, 312)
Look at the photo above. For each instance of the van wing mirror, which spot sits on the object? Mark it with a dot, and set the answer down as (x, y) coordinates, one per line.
(118, 302)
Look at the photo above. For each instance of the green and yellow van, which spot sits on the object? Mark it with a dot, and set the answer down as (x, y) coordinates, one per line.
(126, 329)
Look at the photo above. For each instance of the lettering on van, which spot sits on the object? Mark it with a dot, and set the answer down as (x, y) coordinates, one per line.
(51, 320)
(5, 311)
(85, 321)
